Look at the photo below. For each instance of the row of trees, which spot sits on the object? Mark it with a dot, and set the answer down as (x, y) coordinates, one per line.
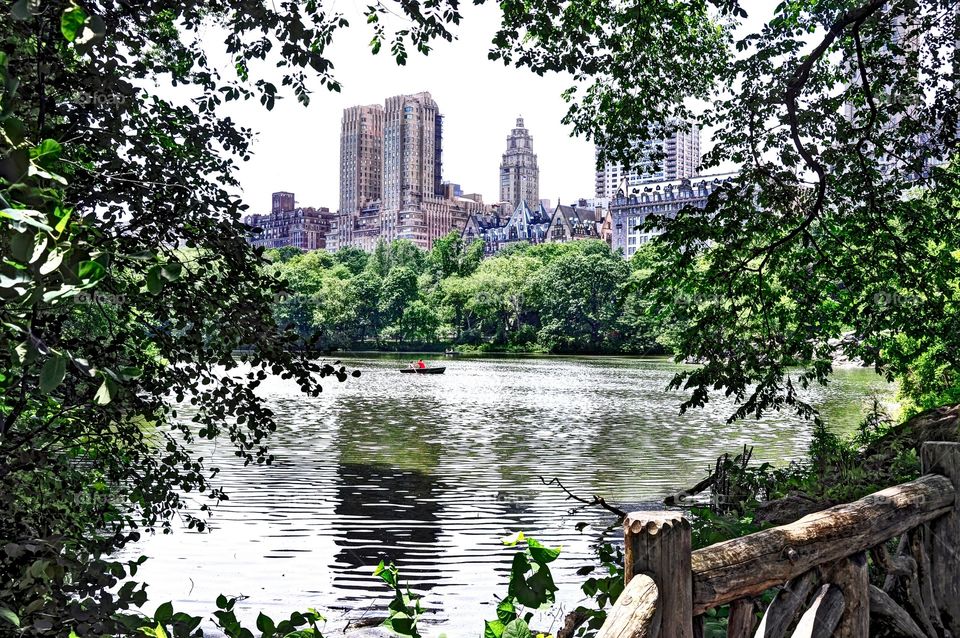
(573, 297)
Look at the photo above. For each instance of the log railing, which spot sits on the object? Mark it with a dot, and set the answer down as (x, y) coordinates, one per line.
(820, 566)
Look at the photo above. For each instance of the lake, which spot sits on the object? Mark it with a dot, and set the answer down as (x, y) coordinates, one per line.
(431, 471)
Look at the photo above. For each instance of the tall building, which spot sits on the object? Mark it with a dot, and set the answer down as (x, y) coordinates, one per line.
(361, 156)
(282, 202)
(680, 159)
(412, 144)
(519, 175)
(411, 201)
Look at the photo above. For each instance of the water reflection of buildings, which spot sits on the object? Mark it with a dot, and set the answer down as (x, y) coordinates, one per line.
(388, 514)
(388, 498)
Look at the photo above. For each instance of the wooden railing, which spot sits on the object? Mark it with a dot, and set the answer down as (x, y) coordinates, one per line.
(821, 564)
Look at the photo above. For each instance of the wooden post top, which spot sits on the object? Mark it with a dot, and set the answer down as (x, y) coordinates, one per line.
(654, 522)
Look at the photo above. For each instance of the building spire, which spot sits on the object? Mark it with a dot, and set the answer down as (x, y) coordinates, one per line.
(519, 176)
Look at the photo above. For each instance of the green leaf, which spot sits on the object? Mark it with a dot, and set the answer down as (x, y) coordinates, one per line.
(64, 218)
(265, 624)
(71, 22)
(9, 616)
(90, 271)
(492, 629)
(541, 554)
(129, 373)
(386, 574)
(47, 149)
(171, 272)
(156, 632)
(516, 629)
(506, 610)
(21, 246)
(154, 281)
(38, 249)
(27, 217)
(52, 373)
(19, 278)
(54, 259)
(63, 291)
(106, 392)
(164, 613)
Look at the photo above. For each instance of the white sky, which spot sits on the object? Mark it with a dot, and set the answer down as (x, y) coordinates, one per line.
(297, 148)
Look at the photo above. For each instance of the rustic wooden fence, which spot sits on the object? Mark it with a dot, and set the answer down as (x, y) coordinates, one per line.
(822, 564)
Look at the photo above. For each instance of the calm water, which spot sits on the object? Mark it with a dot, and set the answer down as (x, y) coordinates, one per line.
(431, 471)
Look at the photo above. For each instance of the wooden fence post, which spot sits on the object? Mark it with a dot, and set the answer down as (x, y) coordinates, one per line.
(742, 620)
(658, 544)
(942, 536)
(851, 575)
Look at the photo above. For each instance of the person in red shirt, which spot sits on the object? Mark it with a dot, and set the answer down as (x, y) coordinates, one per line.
(421, 364)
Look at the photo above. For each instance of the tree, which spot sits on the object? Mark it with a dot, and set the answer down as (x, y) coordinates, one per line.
(286, 253)
(420, 322)
(451, 255)
(452, 296)
(582, 296)
(126, 279)
(836, 112)
(355, 259)
(334, 313)
(404, 253)
(379, 262)
(399, 290)
(304, 275)
(365, 291)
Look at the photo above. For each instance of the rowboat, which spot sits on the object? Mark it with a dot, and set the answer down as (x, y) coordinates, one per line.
(437, 370)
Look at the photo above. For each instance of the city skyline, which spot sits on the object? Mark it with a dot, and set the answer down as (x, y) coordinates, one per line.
(474, 96)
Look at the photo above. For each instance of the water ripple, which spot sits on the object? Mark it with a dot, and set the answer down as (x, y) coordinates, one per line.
(431, 471)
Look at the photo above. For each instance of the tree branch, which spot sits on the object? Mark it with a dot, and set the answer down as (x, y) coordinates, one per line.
(597, 500)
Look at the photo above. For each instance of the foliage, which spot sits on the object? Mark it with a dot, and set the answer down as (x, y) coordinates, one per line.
(576, 297)
(126, 280)
(404, 610)
(582, 299)
(842, 118)
(604, 588)
(531, 586)
(126, 283)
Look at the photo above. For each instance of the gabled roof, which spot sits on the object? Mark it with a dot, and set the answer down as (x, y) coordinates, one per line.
(575, 214)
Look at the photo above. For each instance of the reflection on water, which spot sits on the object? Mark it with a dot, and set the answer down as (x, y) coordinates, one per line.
(431, 471)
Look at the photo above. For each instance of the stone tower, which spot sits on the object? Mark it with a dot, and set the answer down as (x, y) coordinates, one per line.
(519, 175)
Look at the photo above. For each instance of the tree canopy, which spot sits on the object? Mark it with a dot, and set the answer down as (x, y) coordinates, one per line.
(842, 117)
(545, 298)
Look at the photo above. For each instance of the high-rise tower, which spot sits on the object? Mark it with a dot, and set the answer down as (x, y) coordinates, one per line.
(409, 202)
(361, 156)
(412, 141)
(519, 175)
(679, 158)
